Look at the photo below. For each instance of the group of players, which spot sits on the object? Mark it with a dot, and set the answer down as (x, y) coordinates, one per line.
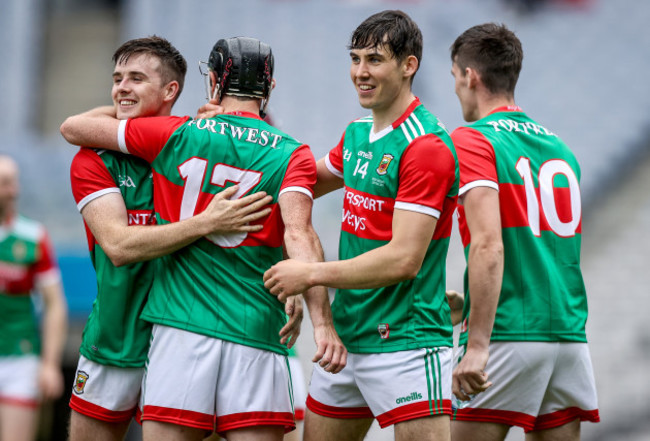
(232, 197)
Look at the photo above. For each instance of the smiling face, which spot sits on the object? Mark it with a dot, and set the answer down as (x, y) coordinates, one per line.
(138, 88)
(379, 78)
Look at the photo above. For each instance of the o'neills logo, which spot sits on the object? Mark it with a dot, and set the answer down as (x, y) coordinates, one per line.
(383, 329)
(413, 397)
(80, 382)
(383, 165)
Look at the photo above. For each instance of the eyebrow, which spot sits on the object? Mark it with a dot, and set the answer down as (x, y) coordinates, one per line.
(129, 73)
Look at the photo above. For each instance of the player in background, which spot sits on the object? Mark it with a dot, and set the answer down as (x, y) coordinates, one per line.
(30, 360)
(214, 323)
(400, 175)
(520, 221)
(114, 193)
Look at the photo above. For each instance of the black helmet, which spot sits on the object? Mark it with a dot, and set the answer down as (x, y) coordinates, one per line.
(244, 67)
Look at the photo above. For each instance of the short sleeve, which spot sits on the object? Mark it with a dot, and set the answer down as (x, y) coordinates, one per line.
(476, 160)
(146, 137)
(334, 159)
(89, 177)
(427, 173)
(301, 172)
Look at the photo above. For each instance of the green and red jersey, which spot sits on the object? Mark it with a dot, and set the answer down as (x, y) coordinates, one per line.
(214, 287)
(410, 165)
(26, 262)
(114, 334)
(543, 295)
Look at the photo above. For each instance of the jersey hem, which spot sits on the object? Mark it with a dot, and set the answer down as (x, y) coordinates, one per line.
(220, 335)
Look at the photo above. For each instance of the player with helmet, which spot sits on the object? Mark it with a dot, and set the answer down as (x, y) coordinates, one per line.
(217, 360)
(524, 359)
(114, 194)
(400, 176)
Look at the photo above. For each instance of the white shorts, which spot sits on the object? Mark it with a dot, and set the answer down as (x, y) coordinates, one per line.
(299, 389)
(207, 383)
(392, 387)
(535, 385)
(106, 393)
(19, 380)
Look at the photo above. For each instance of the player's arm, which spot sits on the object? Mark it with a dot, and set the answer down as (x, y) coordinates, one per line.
(107, 218)
(456, 301)
(326, 181)
(95, 128)
(54, 332)
(398, 260)
(485, 272)
(303, 245)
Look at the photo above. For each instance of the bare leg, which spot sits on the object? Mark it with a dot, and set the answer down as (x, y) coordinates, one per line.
(431, 428)
(567, 432)
(158, 431)
(84, 428)
(320, 428)
(295, 435)
(478, 431)
(18, 423)
(263, 433)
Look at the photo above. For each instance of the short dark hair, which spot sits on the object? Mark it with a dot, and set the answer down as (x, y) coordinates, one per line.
(494, 51)
(393, 29)
(173, 64)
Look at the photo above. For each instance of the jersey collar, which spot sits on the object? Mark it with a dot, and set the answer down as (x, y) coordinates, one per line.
(244, 114)
(407, 113)
(506, 109)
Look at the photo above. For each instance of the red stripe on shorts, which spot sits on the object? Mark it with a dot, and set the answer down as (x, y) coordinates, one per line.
(564, 416)
(337, 412)
(496, 416)
(255, 419)
(181, 417)
(23, 402)
(412, 411)
(98, 412)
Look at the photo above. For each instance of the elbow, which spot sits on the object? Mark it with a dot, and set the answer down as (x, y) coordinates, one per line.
(117, 256)
(408, 268)
(67, 130)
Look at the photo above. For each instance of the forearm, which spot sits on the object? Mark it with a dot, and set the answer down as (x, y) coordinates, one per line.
(137, 243)
(305, 246)
(485, 273)
(383, 266)
(54, 326)
(94, 128)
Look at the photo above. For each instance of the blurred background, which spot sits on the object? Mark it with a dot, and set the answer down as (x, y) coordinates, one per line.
(584, 77)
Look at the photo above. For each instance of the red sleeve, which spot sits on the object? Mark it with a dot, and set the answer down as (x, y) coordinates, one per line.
(89, 177)
(146, 137)
(427, 171)
(301, 171)
(45, 268)
(476, 159)
(335, 158)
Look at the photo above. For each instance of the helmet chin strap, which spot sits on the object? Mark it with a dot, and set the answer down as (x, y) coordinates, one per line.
(264, 102)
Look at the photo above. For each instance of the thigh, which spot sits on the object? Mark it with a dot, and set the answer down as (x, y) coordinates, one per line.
(406, 385)
(298, 387)
(337, 395)
(430, 428)
(478, 431)
(323, 428)
(571, 392)
(179, 385)
(253, 391)
(19, 380)
(85, 428)
(106, 393)
(17, 422)
(567, 432)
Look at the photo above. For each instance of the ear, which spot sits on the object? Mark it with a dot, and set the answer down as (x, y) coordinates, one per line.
(410, 65)
(171, 90)
(272, 83)
(472, 78)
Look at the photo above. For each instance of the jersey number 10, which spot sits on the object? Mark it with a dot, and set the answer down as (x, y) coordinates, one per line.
(545, 177)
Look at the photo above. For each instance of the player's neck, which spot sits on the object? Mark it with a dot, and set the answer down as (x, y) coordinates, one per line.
(234, 104)
(384, 117)
(487, 104)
